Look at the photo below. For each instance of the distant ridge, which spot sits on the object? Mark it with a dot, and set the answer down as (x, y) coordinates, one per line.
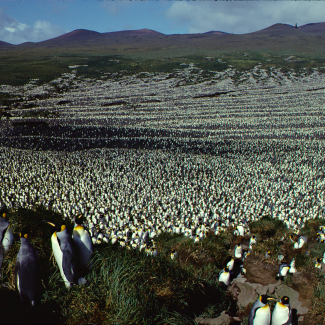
(5, 44)
(315, 28)
(213, 32)
(79, 35)
(136, 32)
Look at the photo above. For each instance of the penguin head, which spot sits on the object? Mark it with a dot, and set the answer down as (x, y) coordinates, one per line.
(24, 233)
(264, 299)
(285, 300)
(58, 227)
(79, 220)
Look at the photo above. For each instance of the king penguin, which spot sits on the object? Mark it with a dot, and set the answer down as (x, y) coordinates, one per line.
(224, 276)
(6, 236)
(83, 245)
(282, 312)
(27, 271)
(283, 270)
(65, 254)
(238, 251)
(260, 313)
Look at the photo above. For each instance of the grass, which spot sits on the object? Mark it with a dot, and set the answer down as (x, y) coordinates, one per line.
(128, 287)
(125, 286)
(267, 227)
(20, 66)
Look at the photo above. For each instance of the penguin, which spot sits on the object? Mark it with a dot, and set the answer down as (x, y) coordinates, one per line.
(301, 241)
(245, 254)
(83, 245)
(260, 314)
(65, 255)
(318, 264)
(283, 270)
(324, 258)
(292, 266)
(224, 276)
(238, 251)
(173, 254)
(28, 271)
(282, 314)
(280, 258)
(252, 241)
(6, 236)
(267, 254)
(230, 264)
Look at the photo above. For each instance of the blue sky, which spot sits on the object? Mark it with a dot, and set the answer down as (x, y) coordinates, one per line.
(37, 20)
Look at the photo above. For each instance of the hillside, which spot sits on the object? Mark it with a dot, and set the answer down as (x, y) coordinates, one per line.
(146, 50)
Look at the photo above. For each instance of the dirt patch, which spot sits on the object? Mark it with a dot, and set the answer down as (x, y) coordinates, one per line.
(260, 272)
(303, 282)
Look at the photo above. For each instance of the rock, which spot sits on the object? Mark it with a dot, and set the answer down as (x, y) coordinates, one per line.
(261, 290)
(284, 290)
(241, 280)
(271, 288)
(223, 319)
(244, 293)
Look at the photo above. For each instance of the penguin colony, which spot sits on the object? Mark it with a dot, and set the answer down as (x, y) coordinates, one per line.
(119, 190)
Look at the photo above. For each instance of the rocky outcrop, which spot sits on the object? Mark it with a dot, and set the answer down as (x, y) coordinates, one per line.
(245, 293)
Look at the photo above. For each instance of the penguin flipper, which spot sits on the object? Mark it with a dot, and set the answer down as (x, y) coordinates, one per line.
(67, 264)
(1, 255)
(17, 269)
(289, 321)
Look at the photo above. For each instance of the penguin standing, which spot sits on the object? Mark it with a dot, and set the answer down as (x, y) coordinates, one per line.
(173, 254)
(224, 276)
(283, 270)
(6, 236)
(230, 264)
(238, 251)
(65, 255)
(28, 271)
(282, 314)
(83, 246)
(260, 313)
(292, 266)
(252, 242)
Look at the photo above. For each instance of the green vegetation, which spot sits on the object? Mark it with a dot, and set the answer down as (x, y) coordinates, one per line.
(267, 227)
(20, 66)
(125, 286)
(318, 312)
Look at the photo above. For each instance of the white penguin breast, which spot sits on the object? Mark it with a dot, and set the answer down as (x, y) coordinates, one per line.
(262, 316)
(280, 314)
(58, 255)
(225, 278)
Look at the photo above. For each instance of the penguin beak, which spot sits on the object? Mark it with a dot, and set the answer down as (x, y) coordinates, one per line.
(50, 223)
(270, 298)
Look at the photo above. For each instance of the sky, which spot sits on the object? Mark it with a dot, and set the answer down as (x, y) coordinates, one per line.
(37, 20)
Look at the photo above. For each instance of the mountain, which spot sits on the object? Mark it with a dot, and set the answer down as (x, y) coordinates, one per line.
(135, 39)
(213, 32)
(315, 28)
(5, 44)
(137, 32)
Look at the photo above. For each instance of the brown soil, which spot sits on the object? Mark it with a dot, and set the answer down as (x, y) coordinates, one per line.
(260, 272)
(303, 282)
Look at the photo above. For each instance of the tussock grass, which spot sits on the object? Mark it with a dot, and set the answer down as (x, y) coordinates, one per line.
(268, 227)
(319, 299)
(124, 286)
